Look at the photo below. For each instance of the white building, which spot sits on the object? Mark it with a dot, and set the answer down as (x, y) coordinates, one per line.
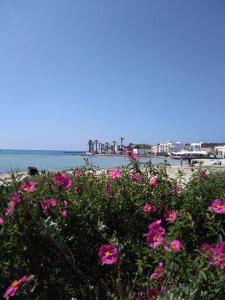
(196, 146)
(141, 151)
(220, 151)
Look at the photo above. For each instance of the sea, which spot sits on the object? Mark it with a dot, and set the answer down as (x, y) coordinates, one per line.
(20, 160)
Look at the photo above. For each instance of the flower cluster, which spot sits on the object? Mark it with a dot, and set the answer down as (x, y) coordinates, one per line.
(136, 177)
(215, 255)
(131, 155)
(63, 180)
(115, 173)
(155, 235)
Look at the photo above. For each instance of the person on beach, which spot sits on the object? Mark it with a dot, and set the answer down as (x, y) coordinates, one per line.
(32, 171)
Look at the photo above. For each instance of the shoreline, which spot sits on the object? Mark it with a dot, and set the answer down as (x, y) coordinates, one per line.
(172, 171)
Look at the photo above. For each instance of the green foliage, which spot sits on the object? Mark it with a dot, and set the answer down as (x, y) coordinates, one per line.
(62, 252)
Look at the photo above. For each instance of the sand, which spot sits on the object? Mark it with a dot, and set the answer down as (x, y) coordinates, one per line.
(172, 171)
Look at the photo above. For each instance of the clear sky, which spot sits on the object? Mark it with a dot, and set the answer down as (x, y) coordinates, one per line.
(147, 70)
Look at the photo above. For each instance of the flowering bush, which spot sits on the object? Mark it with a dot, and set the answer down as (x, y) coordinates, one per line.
(130, 233)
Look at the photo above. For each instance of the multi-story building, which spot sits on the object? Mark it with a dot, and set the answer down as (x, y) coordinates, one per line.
(168, 147)
(220, 151)
(195, 146)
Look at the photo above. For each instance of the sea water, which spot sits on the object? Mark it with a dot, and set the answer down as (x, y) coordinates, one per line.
(20, 160)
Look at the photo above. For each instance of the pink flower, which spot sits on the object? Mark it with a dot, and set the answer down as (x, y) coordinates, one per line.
(153, 181)
(28, 187)
(65, 203)
(155, 236)
(177, 190)
(16, 198)
(63, 180)
(154, 239)
(45, 204)
(170, 216)
(217, 206)
(12, 289)
(1, 221)
(64, 214)
(175, 246)
(136, 177)
(215, 255)
(108, 254)
(131, 155)
(156, 226)
(158, 272)
(149, 208)
(115, 173)
(9, 211)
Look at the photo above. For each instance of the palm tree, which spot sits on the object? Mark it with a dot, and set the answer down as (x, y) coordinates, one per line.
(121, 144)
(96, 146)
(89, 146)
(107, 147)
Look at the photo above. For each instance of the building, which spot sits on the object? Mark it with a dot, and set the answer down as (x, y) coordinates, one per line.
(141, 151)
(195, 146)
(210, 147)
(168, 147)
(220, 151)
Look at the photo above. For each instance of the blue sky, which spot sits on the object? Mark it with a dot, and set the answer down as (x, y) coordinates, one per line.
(147, 70)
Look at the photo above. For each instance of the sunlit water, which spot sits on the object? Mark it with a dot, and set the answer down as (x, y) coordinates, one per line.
(19, 160)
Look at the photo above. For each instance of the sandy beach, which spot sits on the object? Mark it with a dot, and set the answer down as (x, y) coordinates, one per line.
(172, 171)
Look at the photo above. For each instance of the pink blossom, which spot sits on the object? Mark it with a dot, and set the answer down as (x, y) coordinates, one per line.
(16, 198)
(149, 208)
(64, 214)
(177, 190)
(28, 187)
(45, 204)
(9, 210)
(108, 254)
(215, 255)
(175, 246)
(1, 221)
(131, 154)
(217, 206)
(156, 226)
(115, 173)
(153, 181)
(155, 236)
(65, 203)
(158, 272)
(63, 180)
(12, 289)
(170, 216)
(136, 177)
(154, 239)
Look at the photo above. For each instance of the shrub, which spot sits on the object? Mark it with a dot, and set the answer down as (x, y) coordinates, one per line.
(59, 227)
